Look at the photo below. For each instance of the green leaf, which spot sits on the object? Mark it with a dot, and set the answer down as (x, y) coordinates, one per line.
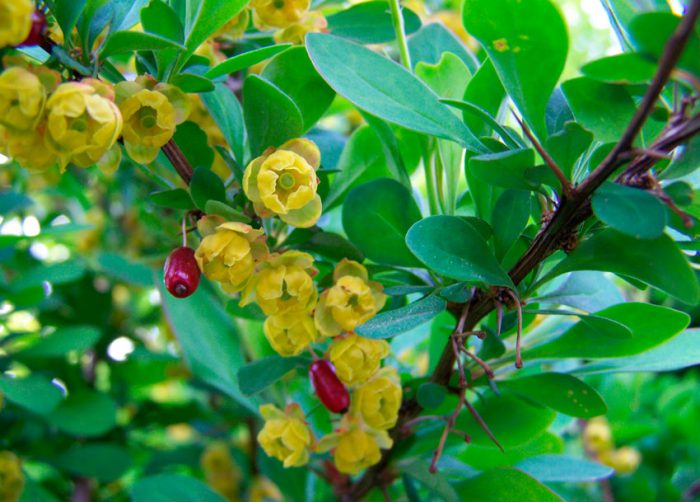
(567, 146)
(205, 186)
(601, 325)
(506, 485)
(362, 160)
(651, 325)
(480, 115)
(403, 319)
(385, 89)
(433, 40)
(621, 207)
(679, 352)
(504, 169)
(627, 68)
(271, 117)
(160, 19)
(376, 217)
(370, 23)
(561, 392)
(225, 211)
(102, 461)
(193, 142)
(59, 273)
(85, 413)
(67, 13)
(172, 488)
(588, 291)
(513, 421)
(13, 201)
(205, 17)
(256, 376)
(177, 198)
(564, 469)
(527, 41)
(34, 392)
(116, 265)
(189, 82)
(245, 60)
(292, 73)
(650, 31)
(510, 216)
(486, 92)
(226, 111)
(131, 41)
(430, 395)
(603, 109)
(656, 262)
(452, 247)
(208, 338)
(488, 456)
(59, 343)
(330, 245)
(391, 146)
(436, 483)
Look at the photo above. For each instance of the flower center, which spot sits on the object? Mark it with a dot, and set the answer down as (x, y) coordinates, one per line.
(79, 124)
(286, 181)
(278, 4)
(147, 117)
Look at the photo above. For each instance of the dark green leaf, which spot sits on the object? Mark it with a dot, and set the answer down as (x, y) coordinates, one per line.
(567, 145)
(510, 216)
(245, 60)
(333, 246)
(173, 488)
(226, 111)
(67, 13)
(256, 376)
(385, 89)
(370, 23)
(85, 413)
(505, 169)
(13, 201)
(130, 41)
(376, 217)
(292, 73)
(271, 117)
(59, 273)
(177, 198)
(102, 461)
(632, 211)
(434, 482)
(205, 17)
(561, 392)
(656, 262)
(452, 247)
(651, 325)
(650, 31)
(395, 322)
(433, 40)
(160, 19)
(34, 392)
(527, 41)
(59, 343)
(563, 469)
(430, 395)
(205, 186)
(193, 143)
(189, 82)
(116, 265)
(225, 211)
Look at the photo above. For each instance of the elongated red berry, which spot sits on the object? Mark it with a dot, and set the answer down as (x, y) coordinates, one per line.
(329, 389)
(36, 33)
(181, 272)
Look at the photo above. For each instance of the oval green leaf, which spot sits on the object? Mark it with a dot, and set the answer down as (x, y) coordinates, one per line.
(620, 207)
(403, 319)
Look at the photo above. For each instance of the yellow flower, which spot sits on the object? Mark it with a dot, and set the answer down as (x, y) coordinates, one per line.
(235, 27)
(11, 477)
(289, 334)
(278, 13)
(357, 358)
(354, 448)
(378, 401)
(624, 460)
(16, 16)
(284, 284)
(284, 182)
(311, 22)
(83, 122)
(22, 98)
(597, 435)
(228, 255)
(151, 112)
(264, 490)
(285, 435)
(222, 473)
(27, 148)
(351, 301)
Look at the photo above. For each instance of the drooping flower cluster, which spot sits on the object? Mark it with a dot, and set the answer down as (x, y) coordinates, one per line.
(292, 19)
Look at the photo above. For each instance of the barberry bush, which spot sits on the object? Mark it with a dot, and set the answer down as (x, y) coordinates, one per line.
(376, 250)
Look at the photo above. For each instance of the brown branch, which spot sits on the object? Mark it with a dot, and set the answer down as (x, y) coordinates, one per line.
(178, 160)
(564, 222)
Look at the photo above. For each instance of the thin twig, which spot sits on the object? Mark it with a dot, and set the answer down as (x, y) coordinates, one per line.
(178, 160)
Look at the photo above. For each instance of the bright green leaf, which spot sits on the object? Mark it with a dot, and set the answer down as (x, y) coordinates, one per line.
(205, 186)
(564, 469)
(258, 375)
(403, 319)
(627, 68)
(130, 41)
(370, 23)
(34, 392)
(245, 60)
(504, 169)
(226, 111)
(506, 485)
(85, 413)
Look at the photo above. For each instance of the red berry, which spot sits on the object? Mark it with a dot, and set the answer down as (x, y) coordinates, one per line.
(329, 389)
(36, 33)
(181, 272)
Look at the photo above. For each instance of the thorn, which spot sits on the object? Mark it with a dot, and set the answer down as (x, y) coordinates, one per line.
(483, 425)
(519, 307)
(487, 369)
(499, 316)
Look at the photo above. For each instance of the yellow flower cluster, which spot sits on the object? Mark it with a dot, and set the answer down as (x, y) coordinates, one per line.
(43, 123)
(286, 436)
(283, 182)
(16, 17)
(292, 19)
(598, 439)
(11, 477)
